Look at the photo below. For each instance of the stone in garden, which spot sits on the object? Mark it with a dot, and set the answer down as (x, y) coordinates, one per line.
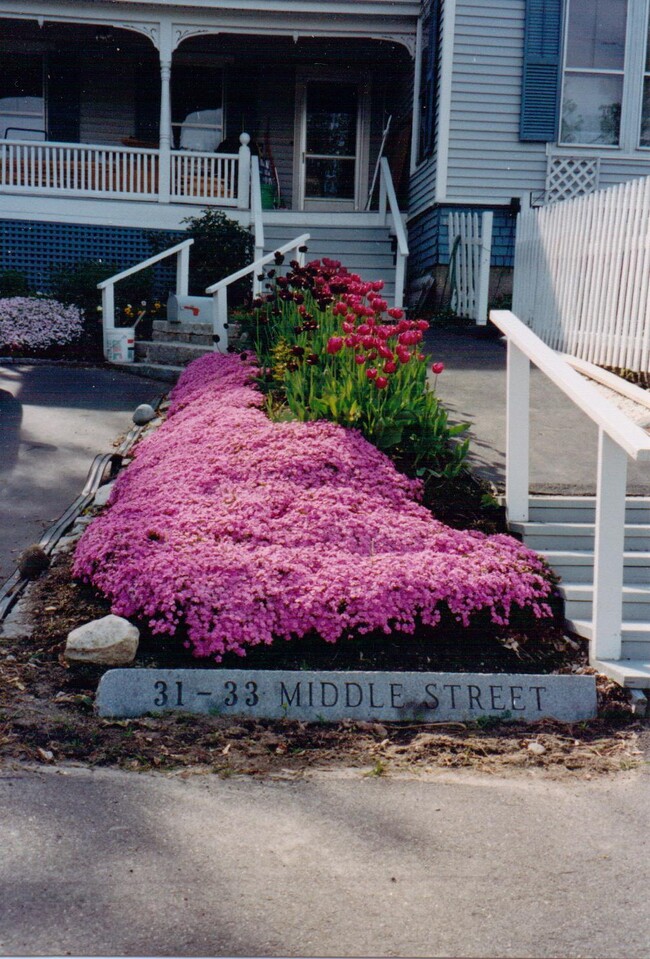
(103, 494)
(33, 561)
(332, 696)
(111, 641)
(143, 414)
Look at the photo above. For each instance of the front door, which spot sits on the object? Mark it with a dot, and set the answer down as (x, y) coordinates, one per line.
(331, 158)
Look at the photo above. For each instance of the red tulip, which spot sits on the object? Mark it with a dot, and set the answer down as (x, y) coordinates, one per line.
(334, 344)
(437, 368)
(381, 382)
(371, 373)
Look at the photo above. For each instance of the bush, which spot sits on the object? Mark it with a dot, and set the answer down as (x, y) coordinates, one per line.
(34, 324)
(14, 283)
(243, 531)
(221, 247)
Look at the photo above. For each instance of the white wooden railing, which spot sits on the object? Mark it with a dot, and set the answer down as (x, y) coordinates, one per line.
(257, 218)
(219, 291)
(64, 169)
(582, 275)
(388, 203)
(470, 250)
(618, 439)
(182, 252)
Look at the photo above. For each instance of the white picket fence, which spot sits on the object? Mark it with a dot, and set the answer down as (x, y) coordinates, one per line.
(470, 247)
(582, 275)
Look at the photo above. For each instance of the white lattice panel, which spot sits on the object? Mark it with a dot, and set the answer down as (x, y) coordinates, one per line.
(567, 177)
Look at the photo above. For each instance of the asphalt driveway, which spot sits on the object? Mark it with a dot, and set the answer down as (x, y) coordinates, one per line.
(53, 422)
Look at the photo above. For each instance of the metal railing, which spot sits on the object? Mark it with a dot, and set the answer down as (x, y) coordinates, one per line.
(219, 291)
(618, 439)
(388, 202)
(182, 251)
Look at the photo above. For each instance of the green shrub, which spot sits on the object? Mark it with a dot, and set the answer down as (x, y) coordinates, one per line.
(13, 283)
(221, 247)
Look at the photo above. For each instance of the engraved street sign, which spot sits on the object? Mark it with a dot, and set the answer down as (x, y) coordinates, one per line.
(331, 696)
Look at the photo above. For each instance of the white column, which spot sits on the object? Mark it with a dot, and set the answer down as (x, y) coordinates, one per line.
(417, 84)
(108, 315)
(244, 174)
(164, 160)
(608, 549)
(517, 434)
(182, 271)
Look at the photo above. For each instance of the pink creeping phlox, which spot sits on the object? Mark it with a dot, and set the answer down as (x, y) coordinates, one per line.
(247, 531)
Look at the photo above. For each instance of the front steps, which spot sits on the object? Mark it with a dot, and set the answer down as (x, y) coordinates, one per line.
(171, 348)
(561, 528)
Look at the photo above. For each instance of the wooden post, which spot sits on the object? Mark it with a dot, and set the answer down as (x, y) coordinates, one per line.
(220, 319)
(108, 314)
(608, 549)
(182, 271)
(400, 272)
(244, 174)
(517, 434)
(483, 290)
(165, 157)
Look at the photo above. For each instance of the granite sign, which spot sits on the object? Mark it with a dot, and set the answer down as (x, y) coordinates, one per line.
(330, 696)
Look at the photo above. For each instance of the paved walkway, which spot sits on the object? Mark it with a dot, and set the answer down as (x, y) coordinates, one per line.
(53, 422)
(563, 439)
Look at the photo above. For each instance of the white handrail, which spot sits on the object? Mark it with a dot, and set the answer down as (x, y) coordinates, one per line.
(256, 216)
(618, 438)
(219, 291)
(182, 251)
(388, 201)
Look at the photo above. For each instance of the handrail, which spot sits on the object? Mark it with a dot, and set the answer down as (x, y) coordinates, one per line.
(618, 438)
(182, 251)
(630, 437)
(145, 263)
(388, 201)
(219, 290)
(256, 216)
(258, 264)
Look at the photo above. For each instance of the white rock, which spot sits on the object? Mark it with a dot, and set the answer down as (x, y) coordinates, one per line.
(143, 414)
(111, 640)
(536, 749)
(102, 494)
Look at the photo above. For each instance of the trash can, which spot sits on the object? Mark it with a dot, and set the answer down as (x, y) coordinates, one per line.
(267, 191)
(120, 345)
(189, 309)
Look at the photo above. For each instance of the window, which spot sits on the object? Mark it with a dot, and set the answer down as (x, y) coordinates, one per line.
(22, 110)
(594, 62)
(197, 107)
(429, 81)
(645, 108)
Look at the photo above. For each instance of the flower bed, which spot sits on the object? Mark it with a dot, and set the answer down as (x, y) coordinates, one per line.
(34, 324)
(243, 531)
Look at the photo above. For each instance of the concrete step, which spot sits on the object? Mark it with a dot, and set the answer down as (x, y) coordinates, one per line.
(577, 566)
(582, 509)
(633, 673)
(576, 536)
(169, 354)
(635, 637)
(154, 371)
(578, 602)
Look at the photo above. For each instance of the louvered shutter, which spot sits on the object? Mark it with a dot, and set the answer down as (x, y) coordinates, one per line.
(541, 73)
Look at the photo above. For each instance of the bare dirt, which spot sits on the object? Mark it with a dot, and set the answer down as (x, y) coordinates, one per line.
(46, 714)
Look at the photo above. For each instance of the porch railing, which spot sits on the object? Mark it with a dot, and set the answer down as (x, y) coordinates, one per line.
(219, 291)
(388, 204)
(63, 169)
(618, 439)
(182, 252)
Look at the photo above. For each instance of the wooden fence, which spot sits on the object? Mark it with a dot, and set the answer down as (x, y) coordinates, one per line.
(470, 246)
(582, 275)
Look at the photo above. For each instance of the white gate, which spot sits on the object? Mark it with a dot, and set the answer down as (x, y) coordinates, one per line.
(470, 246)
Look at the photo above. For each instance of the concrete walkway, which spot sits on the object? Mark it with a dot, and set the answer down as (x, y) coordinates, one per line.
(563, 439)
(53, 422)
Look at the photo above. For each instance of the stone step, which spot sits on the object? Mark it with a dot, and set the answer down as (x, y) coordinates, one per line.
(154, 371)
(169, 354)
(633, 673)
(197, 334)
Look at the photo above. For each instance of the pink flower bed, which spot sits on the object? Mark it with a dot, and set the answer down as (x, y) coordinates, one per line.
(247, 531)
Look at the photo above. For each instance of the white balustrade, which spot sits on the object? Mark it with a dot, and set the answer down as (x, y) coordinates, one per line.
(388, 204)
(619, 439)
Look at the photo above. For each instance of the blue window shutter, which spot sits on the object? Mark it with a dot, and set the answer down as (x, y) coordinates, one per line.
(541, 73)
